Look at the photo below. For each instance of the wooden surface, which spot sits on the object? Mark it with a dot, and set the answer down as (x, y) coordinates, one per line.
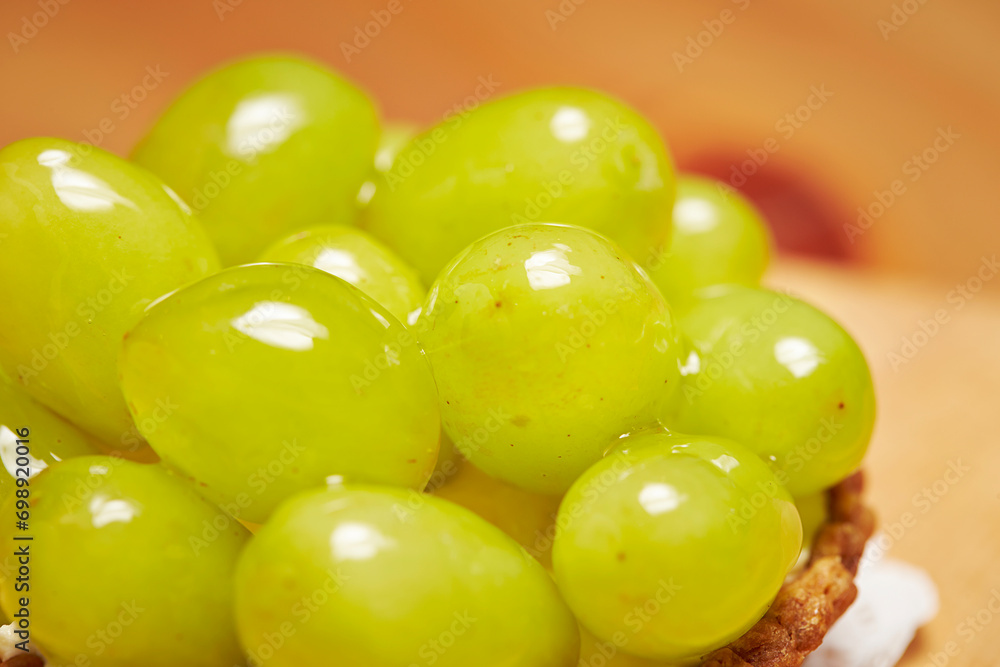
(937, 411)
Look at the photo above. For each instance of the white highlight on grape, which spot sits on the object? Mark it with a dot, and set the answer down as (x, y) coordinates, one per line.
(281, 325)
(569, 124)
(659, 498)
(695, 216)
(726, 463)
(358, 541)
(262, 124)
(798, 355)
(340, 263)
(548, 269)
(79, 190)
(691, 365)
(104, 510)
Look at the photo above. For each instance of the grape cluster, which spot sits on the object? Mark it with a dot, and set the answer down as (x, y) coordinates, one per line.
(505, 391)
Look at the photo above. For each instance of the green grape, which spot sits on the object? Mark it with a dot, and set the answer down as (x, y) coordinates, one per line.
(265, 146)
(267, 379)
(49, 437)
(395, 136)
(129, 566)
(813, 510)
(528, 518)
(546, 342)
(562, 154)
(354, 256)
(782, 377)
(88, 241)
(718, 238)
(672, 546)
(595, 652)
(384, 577)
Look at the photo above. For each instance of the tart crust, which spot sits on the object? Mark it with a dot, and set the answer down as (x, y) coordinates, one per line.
(807, 606)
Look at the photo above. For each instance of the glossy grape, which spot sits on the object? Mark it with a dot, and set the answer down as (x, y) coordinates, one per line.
(267, 379)
(564, 155)
(354, 256)
(781, 377)
(718, 238)
(265, 146)
(383, 577)
(679, 543)
(128, 566)
(88, 241)
(529, 518)
(50, 437)
(546, 341)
